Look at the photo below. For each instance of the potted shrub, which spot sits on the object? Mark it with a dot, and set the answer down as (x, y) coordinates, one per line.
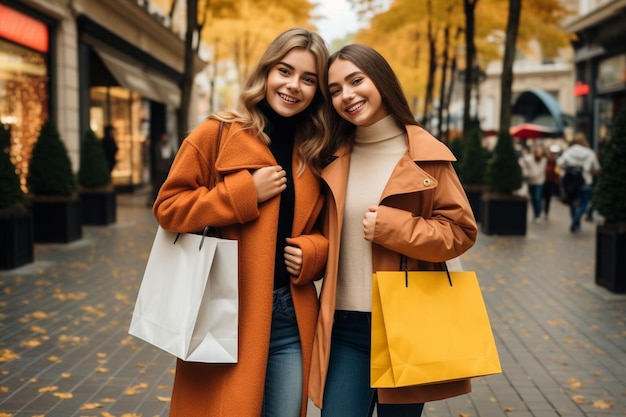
(473, 168)
(609, 199)
(503, 212)
(16, 224)
(52, 190)
(97, 194)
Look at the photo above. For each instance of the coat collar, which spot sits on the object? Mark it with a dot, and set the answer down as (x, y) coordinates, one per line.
(407, 175)
(240, 150)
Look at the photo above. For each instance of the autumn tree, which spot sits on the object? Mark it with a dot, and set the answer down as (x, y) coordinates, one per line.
(232, 30)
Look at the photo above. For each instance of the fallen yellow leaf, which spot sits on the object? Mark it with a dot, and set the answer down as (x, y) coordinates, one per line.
(574, 383)
(8, 355)
(603, 405)
(30, 343)
(39, 315)
(6, 415)
(90, 406)
(106, 414)
(579, 399)
(51, 388)
(168, 399)
(63, 395)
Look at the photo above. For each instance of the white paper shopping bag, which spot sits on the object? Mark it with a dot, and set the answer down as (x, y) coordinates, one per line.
(188, 299)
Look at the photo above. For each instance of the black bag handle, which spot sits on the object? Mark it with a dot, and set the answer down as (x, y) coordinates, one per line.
(404, 265)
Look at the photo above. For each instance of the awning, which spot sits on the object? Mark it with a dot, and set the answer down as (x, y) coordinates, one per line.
(540, 108)
(136, 77)
(167, 90)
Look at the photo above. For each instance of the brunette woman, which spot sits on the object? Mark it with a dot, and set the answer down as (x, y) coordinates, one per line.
(392, 192)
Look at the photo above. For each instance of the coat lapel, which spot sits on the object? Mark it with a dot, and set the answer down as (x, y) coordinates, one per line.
(240, 150)
(335, 174)
(307, 189)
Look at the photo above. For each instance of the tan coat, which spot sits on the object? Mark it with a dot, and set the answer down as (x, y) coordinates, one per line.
(425, 215)
(185, 204)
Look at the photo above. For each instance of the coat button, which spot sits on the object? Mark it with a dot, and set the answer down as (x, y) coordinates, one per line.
(427, 182)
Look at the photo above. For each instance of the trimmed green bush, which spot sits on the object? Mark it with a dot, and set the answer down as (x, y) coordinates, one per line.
(609, 193)
(504, 174)
(94, 171)
(11, 194)
(456, 147)
(474, 161)
(50, 170)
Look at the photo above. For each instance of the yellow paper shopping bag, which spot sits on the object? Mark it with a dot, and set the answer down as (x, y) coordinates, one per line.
(429, 327)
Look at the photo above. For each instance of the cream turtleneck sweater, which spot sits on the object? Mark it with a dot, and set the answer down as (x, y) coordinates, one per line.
(376, 151)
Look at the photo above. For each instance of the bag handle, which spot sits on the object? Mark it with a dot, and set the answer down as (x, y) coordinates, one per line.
(207, 229)
(218, 143)
(404, 264)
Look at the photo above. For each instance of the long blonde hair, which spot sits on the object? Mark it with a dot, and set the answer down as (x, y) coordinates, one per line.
(312, 136)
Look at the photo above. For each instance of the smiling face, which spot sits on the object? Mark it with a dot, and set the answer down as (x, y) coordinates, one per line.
(354, 95)
(292, 83)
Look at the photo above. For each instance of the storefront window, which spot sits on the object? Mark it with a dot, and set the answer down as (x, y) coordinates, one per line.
(125, 111)
(23, 99)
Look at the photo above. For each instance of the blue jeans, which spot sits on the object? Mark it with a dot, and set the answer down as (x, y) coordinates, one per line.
(348, 392)
(283, 380)
(535, 198)
(578, 207)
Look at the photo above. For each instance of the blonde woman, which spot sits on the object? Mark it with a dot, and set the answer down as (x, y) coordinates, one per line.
(267, 196)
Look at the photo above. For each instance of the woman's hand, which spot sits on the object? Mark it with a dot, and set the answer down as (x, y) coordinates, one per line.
(269, 182)
(293, 260)
(369, 223)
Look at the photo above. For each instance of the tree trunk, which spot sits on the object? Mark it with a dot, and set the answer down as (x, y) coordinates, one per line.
(507, 64)
(187, 82)
(442, 85)
(470, 52)
(432, 66)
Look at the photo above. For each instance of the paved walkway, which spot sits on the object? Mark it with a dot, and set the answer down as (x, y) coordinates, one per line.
(65, 351)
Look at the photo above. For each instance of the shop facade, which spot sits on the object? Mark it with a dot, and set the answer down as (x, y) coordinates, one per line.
(86, 64)
(600, 60)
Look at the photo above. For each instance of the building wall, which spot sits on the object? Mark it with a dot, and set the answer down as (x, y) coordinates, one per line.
(129, 28)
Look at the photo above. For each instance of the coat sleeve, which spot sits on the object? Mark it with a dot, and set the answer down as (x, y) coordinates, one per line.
(314, 255)
(448, 232)
(187, 202)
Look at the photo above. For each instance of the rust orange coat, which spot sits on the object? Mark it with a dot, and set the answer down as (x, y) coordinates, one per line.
(424, 214)
(186, 204)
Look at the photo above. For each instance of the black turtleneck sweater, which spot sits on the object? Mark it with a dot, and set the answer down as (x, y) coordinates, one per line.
(281, 131)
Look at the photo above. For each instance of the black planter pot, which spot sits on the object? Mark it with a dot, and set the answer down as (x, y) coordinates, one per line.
(99, 207)
(610, 259)
(57, 220)
(504, 215)
(16, 240)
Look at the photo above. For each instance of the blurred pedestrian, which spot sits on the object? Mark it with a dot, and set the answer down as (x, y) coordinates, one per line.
(110, 146)
(534, 164)
(393, 194)
(268, 197)
(579, 156)
(551, 184)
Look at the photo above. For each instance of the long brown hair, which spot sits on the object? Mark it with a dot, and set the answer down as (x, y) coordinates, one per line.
(312, 136)
(376, 67)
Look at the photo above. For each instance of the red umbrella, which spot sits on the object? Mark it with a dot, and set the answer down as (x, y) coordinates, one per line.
(532, 131)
